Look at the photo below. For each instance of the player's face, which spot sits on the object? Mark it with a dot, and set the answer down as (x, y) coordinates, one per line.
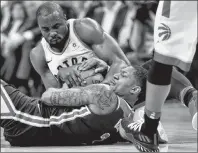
(53, 28)
(123, 81)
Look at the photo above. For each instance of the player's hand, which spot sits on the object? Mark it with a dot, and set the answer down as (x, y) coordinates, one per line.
(71, 76)
(99, 65)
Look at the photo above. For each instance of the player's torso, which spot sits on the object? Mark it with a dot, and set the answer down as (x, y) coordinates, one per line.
(74, 52)
(85, 126)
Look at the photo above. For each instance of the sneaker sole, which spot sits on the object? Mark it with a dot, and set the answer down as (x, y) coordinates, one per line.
(138, 145)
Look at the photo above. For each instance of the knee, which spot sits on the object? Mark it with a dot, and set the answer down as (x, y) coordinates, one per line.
(160, 74)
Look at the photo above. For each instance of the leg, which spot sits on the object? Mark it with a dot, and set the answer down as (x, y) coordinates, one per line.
(20, 118)
(181, 89)
(180, 85)
(168, 51)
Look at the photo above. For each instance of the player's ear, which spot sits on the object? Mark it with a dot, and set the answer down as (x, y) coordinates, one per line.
(135, 90)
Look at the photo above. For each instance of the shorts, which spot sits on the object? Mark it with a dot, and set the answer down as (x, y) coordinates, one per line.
(175, 33)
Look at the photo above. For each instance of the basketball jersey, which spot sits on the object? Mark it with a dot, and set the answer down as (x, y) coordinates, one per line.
(87, 127)
(74, 52)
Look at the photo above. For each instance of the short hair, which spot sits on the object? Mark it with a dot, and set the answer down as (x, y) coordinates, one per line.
(48, 8)
(141, 75)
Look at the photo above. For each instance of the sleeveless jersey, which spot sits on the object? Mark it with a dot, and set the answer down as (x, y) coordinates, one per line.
(74, 52)
(86, 127)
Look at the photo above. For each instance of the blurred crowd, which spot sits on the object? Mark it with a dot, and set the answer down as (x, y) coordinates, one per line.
(131, 23)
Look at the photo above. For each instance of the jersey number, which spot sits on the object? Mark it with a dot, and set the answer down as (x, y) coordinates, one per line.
(166, 9)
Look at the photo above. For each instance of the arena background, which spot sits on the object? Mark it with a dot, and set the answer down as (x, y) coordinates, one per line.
(129, 22)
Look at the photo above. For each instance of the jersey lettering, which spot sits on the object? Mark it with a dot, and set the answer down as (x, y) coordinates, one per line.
(71, 62)
(65, 62)
(59, 67)
(84, 59)
(74, 61)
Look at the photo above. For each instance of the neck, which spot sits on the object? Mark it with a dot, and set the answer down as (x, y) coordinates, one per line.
(130, 100)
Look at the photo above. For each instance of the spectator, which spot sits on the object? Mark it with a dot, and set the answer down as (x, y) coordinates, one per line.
(127, 28)
(68, 8)
(13, 39)
(32, 37)
(20, 34)
(142, 34)
(114, 17)
(92, 8)
(79, 7)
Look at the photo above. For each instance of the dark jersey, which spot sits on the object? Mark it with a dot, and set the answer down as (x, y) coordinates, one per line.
(80, 124)
(28, 121)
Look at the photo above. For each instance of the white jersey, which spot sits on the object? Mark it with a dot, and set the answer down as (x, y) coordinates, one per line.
(74, 52)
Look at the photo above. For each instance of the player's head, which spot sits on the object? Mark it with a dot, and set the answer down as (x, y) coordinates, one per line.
(130, 83)
(52, 23)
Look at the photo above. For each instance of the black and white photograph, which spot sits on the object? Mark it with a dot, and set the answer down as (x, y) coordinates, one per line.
(99, 76)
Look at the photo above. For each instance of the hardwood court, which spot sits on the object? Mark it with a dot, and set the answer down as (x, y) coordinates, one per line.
(176, 121)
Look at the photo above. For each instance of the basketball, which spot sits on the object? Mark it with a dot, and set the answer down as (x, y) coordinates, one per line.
(90, 77)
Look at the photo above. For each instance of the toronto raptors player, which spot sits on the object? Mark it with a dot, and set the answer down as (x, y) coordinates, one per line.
(70, 42)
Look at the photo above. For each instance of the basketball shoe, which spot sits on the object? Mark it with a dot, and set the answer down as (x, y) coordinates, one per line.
(132, 131)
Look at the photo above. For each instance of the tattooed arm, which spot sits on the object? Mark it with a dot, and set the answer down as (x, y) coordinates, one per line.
(98, 97)
(65, 97)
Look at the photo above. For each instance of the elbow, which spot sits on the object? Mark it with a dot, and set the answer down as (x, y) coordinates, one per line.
(46, 97)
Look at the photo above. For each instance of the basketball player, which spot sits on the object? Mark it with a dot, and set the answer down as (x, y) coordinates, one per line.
(88, 114)
(70, 42)
(29, 121)
(175, 39)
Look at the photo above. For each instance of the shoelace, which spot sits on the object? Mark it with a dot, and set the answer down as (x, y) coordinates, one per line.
(136, 125)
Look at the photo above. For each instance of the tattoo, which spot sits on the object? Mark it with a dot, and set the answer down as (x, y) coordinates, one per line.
(101, 96)
(69, 97)
(93, 94)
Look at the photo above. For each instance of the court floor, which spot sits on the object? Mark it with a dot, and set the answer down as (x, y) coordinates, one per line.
(175, 119)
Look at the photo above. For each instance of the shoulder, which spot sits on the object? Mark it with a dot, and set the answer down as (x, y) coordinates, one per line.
(89, 30)
(86, 22)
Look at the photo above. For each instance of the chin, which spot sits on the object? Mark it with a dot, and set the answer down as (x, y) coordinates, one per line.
(113, 88)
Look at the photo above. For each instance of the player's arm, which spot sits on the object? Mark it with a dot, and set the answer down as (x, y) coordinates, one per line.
(38, 61)
(104, 46)
(99, 97)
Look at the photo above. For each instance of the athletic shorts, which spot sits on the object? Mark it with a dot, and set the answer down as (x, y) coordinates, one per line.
(175, 33)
